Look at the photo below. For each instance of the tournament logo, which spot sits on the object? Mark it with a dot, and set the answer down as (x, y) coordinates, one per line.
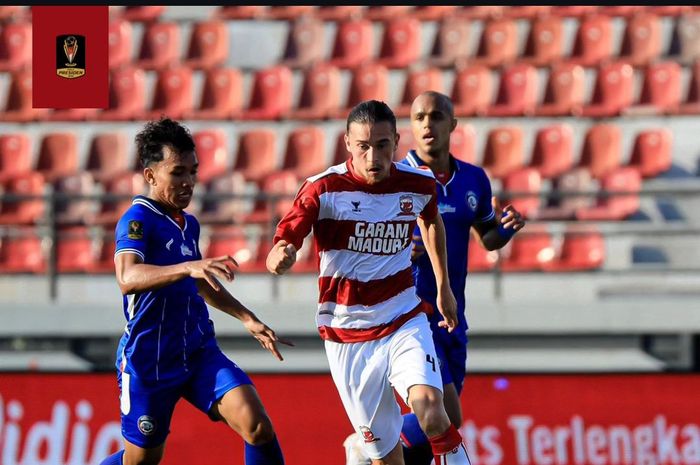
(472, 200)
(70, 56)
(135, 230)
(406, 204)
(147, 425)
(368, 435)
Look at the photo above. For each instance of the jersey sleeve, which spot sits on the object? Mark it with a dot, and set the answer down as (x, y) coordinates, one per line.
(484, 211)
(430, 210)
(297, 223)
(131, 233)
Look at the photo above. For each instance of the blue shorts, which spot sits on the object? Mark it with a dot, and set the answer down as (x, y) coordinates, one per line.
(452, 355)
(147, 407)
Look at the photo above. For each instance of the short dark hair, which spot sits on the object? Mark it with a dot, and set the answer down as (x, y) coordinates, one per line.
(370, 112)
(158, 134)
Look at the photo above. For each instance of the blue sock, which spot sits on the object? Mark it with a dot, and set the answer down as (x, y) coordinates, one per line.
(114, 459)
(411, 434)
(269, 453)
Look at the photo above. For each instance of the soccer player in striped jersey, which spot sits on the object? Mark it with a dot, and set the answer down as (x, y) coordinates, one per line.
(375, 330)
(168, 349)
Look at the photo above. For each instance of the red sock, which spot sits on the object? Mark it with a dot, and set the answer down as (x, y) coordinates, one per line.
(445, 442)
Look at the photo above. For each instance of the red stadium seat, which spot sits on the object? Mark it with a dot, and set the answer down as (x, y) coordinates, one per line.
(353, 44)
(173, 94)
(433, 12)
(642, 40)
(15, 155)
(341, 154)
(125, 185)
(527, 12)
(281, 184)
(418, 82)
(212, 154)
(241, 11)
(143, 13)
(452, 43)
(385, 13)
(338, 12)
(320, 93)
(472, 91)
(593, 43)
(652, 154)
(463, 143)
(688, 34)
(256, 155)
(12, 12)
(483, 12)
(691, 105)
(288, 12)
(15, 46)
(517, 93)
(272, 94)
(209, 46)
(160, 46)
(576, 11)
(58, 155)
(74, 211)
(582, 249)
(18, 108)
(669, 10)
(406, 143)
(545, 41)
(26, 211)
(307, 257)
(228, 240)
(615, 207)
(222, 95)
(613, 92)
(504, 151)
(107, 157)
(553, 153)
(127, 96)
(226, 210)
(74, 250)
(401, 42)
(368, 82)
(305, 154)
(73, 114)
(661, 91)
(120, 43)
(22, 253)
(602, 149)
(531, 250)
(499, 43)
(564, 208)
(103, 259)
(305, 43)
(479, 259)
(620, 10)
(527, 180)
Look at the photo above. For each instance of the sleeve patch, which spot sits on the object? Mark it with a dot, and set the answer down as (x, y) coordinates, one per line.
(135, 230)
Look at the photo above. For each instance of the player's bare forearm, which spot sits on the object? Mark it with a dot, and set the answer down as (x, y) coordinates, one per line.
(433, 233)
(223, 300)
(134, 277)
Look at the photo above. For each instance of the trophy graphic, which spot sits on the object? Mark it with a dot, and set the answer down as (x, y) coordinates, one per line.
(70, 46)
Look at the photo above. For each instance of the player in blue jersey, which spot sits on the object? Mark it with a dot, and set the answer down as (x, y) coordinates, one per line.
(168, 350)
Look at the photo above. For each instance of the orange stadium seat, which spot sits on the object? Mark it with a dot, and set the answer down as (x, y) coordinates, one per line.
(385, 13)
(305, 43)
(620, 10)
(212, 154)
(526, 180)
(401, 42)
(517, 92)
(353, 43)
(582, 249)
(272, 94)
(143, 13)
(222, 95)
(433, 12)
(642, 40)
(230, 240)
(27, 211)
(127, 96)
(107, 157)
(18, 107)
(15, 155)
(452, 44)
(504, 151)
(288, 12)
(483, 12)
(499, 43)
(241, 11)
(615, 207)
(226, 210)
(661, 90)
(256, 155)
(103, 259)
(305, 154)
(527, 11)
(406, 143)
(74, 251)
(209, 45)
(553, 152)
(338, 12)
(565, 207)
(576, 11)
(282, 183)
(173, 93)
(320, 93)
(688, 37)
(417, 82)
(341, 154)
(368, 82)
(479, 259)
(593, 42)
(530, 251)
(545, 41)
(613, 91)
(472, 91)
(58, 155)
(15, 46)
(463, 143)
(125, 185)
(565, 91)
(602, 150)
(160, 46)
(652, 152)
(120, 42)
(22, 253)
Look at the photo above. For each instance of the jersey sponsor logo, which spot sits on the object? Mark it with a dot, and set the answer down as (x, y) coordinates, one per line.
(135, 230)
(368, 435)
(446, 208)
(186, 251)
(147, 425)
(472, 200)
(406, 205)
(384, 238)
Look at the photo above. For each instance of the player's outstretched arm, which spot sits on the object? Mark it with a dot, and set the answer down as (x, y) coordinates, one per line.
(281, 257)
(496, 233)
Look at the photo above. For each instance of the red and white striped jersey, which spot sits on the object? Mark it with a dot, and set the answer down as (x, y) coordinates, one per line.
(362, 233)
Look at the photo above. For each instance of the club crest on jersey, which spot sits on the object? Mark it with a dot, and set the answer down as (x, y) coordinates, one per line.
(406, 205)
(368, 435)
(147, 425)
(472, 200)
(135, 230)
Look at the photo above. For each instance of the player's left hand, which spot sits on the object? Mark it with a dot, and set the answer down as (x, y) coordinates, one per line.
(447, 305)
(509, 216)
(266, 336)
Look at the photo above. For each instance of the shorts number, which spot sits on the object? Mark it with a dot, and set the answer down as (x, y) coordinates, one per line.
(431, 360)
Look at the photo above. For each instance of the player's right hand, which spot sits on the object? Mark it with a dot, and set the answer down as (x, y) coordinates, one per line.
(447, 305)
(281, 257)
(209, 267)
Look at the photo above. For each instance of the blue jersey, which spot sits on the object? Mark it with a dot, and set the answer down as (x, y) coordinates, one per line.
(166, 326)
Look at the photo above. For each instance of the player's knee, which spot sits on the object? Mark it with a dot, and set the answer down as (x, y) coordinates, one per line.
(259, 432)
(428, 406)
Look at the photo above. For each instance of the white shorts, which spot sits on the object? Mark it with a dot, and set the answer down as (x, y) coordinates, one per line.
(365, 373)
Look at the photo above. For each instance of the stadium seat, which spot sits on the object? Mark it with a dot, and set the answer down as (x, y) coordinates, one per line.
(652, 152)
(225, 210)
(305, 154)
(433, 12)
(307, 257)
(241, 11)
(103, 258)
(74, 250)
(222, 95)
(688, 37)
(545, 41)
(499, 43)
(517, 92)
(661, 90)
(121, 188)
(272, 94)
(27, 211)
(417, 82)
(160, 46)
(73, 114)
(463, 143)
(582, 249)
(22, 252)
(8, 13)
(691, 105)
(58, 155)
(209, 45)
(564, 207)
(127, 96)
(531, 250)
(472, 91)
(18, 106)
(385, 13)
(143, 13)
(524, 180)
(641, 44)
(370, 81)
(479, 259)
(15, 46)
(288, 12)
(71, 211)
(452, 44)
(353, 44)
(281, 186)
(401, 42)
(338, 12)
(613, 92)
(320, 93)
(620, 10)
(406, 143)
(120, 42)
(602, 149)
(231, 240)
(305, 43)
(669, 10)
(553, 152)
(107, 156)
(593, 42)
(256, 155)
(615, 207)
(15, 155)
(173, 94)
(482, 12)
(341, 154)
(573, 11)
(526, 11)
(212, 154)
(504, 151)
